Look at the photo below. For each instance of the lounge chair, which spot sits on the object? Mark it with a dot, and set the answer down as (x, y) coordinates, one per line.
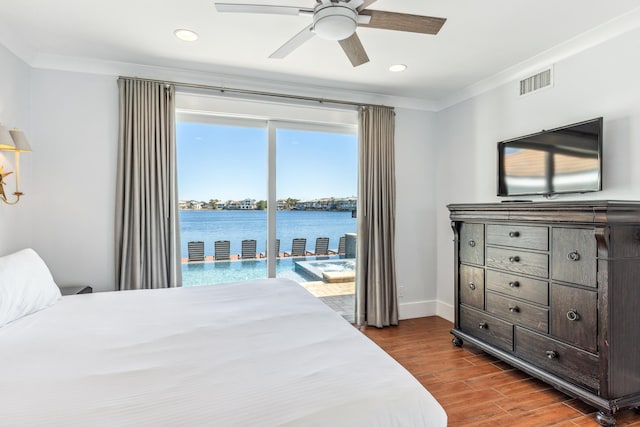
(248, 249)
(341, 247)
(322, 247)
(222, 249)
(298, 247)
(264, 254)
(196, 251)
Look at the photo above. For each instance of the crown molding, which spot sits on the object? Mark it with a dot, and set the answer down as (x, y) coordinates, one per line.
(229, 77)
(582, 42)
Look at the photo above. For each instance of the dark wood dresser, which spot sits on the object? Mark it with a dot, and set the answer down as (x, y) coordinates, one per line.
(553, 288)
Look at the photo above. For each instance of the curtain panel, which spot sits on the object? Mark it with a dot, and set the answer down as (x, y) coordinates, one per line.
(376, 295)
(147, 222)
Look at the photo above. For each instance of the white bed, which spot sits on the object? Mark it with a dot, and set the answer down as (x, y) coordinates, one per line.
(259, 353)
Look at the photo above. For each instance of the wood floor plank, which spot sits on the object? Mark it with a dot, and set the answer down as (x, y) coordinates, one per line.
(506, 380)
(476, 389)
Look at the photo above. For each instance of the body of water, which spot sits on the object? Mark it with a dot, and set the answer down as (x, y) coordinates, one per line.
(236, 225)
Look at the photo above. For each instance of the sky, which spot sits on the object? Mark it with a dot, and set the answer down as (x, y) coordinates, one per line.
(230, 163)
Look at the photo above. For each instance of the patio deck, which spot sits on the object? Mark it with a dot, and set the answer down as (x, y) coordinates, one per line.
(339, 296)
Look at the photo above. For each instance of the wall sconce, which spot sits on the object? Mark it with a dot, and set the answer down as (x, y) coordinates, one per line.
(12, 140)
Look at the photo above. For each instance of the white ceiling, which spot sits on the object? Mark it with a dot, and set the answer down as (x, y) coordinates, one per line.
(480, 39)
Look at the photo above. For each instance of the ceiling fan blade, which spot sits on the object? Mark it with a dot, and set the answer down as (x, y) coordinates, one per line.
(293, 43)
(403, 22)
(354, 50)
(260, 8)
(365, 5)
(355, 4)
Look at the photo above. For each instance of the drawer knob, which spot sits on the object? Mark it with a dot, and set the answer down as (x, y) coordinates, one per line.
(573, 315)
(514, 258)
(573, 255)
(483, 325)
(514, 309)
(472, 243)
(472, 286)
(552, 354)
(515, 284)
(514, 234)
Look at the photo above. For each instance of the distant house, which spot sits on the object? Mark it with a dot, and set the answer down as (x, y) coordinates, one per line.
(328, 204)
(194, 204)
(248, 204)
(233, 205)
(347, 204)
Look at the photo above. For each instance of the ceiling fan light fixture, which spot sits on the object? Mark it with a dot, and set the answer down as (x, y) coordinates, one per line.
(334, 21)
(186, 35)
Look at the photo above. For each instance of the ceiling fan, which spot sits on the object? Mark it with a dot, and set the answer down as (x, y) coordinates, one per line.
(338, 20)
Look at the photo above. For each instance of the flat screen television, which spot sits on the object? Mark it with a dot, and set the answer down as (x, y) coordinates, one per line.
(563, 160)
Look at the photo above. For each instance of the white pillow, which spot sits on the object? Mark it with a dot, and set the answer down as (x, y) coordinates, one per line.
(26, 285)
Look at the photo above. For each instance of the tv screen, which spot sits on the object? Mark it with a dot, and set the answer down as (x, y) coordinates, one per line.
(563, 160)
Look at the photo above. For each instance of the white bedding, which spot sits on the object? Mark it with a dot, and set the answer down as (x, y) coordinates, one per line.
(259, 353)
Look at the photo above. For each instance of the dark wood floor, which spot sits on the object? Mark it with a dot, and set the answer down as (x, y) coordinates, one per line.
(476, 389)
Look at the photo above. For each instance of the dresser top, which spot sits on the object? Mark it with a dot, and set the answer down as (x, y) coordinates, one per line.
(582, 211)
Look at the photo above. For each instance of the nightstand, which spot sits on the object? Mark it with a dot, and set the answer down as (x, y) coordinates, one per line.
(77, 289)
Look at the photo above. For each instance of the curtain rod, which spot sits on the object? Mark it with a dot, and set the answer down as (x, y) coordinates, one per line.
(259, 93)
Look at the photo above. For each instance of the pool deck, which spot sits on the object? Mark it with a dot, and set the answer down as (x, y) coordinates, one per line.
(338, 296)
(323, 289)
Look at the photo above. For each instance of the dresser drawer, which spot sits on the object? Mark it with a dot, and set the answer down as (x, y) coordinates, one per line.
(486, 327)
(574, 316)
(519, 261)
(574, 256)
(472, 286)
(518, 286)
(472, 243)
(558, 358)
(518, 236)
(518, 312)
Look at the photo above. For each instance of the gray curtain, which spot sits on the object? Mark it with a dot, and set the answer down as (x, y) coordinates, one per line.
(147, 223)
(376, 296)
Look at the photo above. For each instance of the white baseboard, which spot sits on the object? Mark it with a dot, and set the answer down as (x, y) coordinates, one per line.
(445, 311)
(411, 310)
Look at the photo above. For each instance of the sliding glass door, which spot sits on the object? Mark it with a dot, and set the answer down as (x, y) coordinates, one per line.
(223, 220)
(268, 198)
(316, 182)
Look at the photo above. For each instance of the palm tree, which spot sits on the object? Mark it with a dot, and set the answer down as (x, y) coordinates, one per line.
(291, 203)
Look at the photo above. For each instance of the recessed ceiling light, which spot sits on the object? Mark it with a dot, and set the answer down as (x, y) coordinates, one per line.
(397, 68)
(186, 35)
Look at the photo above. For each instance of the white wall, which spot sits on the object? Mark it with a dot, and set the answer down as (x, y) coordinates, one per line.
(15, 231)
(601, 81)
(415, 213)
(75, 135)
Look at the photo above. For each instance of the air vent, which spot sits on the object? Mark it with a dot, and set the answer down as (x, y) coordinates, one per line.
(536, 82)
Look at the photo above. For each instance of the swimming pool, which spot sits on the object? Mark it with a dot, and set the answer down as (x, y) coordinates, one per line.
(209, 273)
